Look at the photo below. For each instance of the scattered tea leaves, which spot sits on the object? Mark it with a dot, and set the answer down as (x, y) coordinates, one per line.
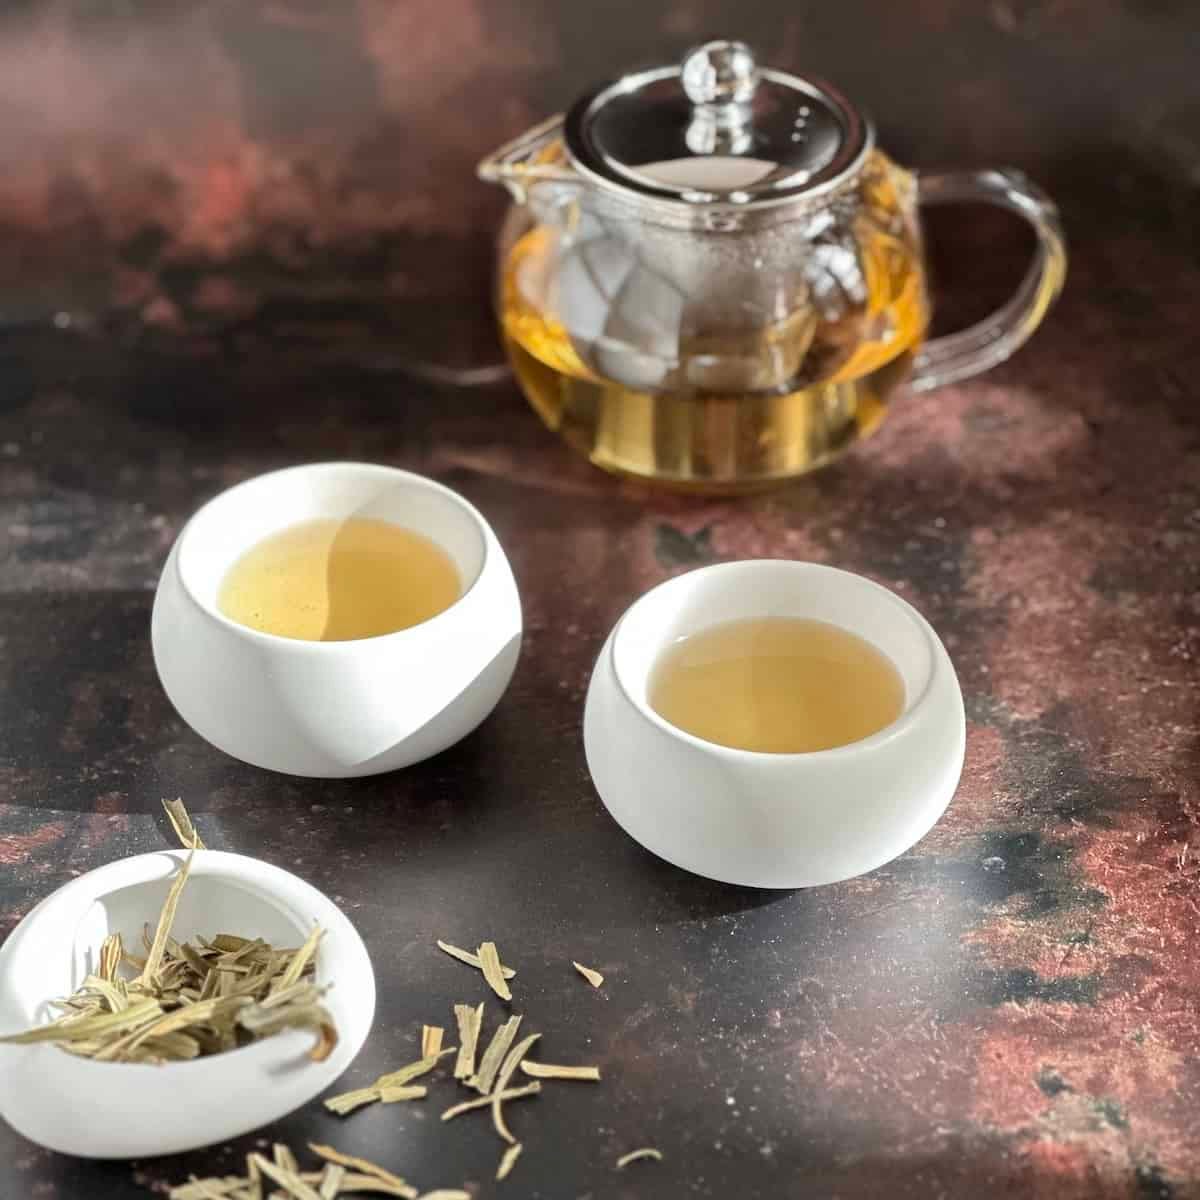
(472, 960)
(508, 1160)
(552, 1071)
(470, 1020)
(393, 1081)
(493, 1056)
(392, 1095)
(347, 1102)
(329, 1154)
(637, 1155)
(517, 1093)
(431, 1040)
(289, 1180)
(515, 1055)
(593, 977)
(489, 964)
(340, 1175)
(414, 1070)
(185, 831)
(331, 1180)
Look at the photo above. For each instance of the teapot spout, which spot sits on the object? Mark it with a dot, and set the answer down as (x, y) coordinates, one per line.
(530, 159)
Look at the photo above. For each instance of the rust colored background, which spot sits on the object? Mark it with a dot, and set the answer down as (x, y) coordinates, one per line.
(235, 236)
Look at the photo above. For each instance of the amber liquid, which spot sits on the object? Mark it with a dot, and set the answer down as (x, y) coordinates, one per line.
(777, 685)
(335, 581)
(832, 366)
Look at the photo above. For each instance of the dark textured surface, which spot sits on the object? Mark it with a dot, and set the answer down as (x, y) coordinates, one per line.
(1011, 1009)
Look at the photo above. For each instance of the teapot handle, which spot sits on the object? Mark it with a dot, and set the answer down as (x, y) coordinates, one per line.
(990, 341)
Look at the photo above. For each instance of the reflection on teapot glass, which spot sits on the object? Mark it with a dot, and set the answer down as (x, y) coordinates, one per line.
(628, 369)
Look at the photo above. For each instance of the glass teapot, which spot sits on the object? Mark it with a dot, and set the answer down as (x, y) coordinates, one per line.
(711, 278)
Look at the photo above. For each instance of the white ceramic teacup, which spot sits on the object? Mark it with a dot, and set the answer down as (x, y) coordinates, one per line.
(773, 820)
(333, 709)
(131, 1110)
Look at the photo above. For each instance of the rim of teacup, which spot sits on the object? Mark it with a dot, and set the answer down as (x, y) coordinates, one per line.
(304, 645)
(889, 733)
(289, 895)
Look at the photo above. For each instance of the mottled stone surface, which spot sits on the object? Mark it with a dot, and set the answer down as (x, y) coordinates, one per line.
(1011, 1009)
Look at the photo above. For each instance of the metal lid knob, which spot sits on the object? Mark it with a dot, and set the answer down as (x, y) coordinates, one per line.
(720, 73)
(715, 128)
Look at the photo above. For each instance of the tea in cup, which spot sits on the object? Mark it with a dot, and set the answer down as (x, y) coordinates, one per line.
(335, 620)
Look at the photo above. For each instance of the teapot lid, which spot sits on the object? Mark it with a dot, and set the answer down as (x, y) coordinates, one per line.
(718, 128)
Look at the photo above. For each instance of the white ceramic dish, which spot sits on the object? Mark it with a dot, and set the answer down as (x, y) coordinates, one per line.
(774, 820)
(133, 1110)
(333, 709)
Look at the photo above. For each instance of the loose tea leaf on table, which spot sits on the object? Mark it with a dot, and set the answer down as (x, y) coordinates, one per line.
(469, 1022)
(472, 960)
(508, 1160)
(553, 1071)
(593, 977)
(637, 1155)
(489, 964)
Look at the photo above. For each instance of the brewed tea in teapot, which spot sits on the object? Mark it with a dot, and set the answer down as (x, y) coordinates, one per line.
(712, 278)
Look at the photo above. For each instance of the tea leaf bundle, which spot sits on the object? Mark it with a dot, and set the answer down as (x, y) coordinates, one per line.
(188, 1001)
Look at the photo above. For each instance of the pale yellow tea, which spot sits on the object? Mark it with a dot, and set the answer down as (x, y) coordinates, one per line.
(335, 581)
(778, 685)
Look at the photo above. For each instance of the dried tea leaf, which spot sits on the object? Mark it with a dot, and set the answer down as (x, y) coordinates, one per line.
(329, 1154)
(390, 1095)
(635, 1155)
(165, 920)
(515, 1055)
(185, 831)
(489, 964)
(493, 1056)
(262, 1021)
(552, 1071)
(517, 1093)
(216, 1188)
(368, 1183)
(414, 1070)
(86, 1028)
(470, 1021)
(431, 1040)
(472, 960)
(299, 960)
(347, 1102)
(508, 1160)
(285, 1158)
(593, 977)
(291, 1182)
(111, 951)
(331, 1181)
